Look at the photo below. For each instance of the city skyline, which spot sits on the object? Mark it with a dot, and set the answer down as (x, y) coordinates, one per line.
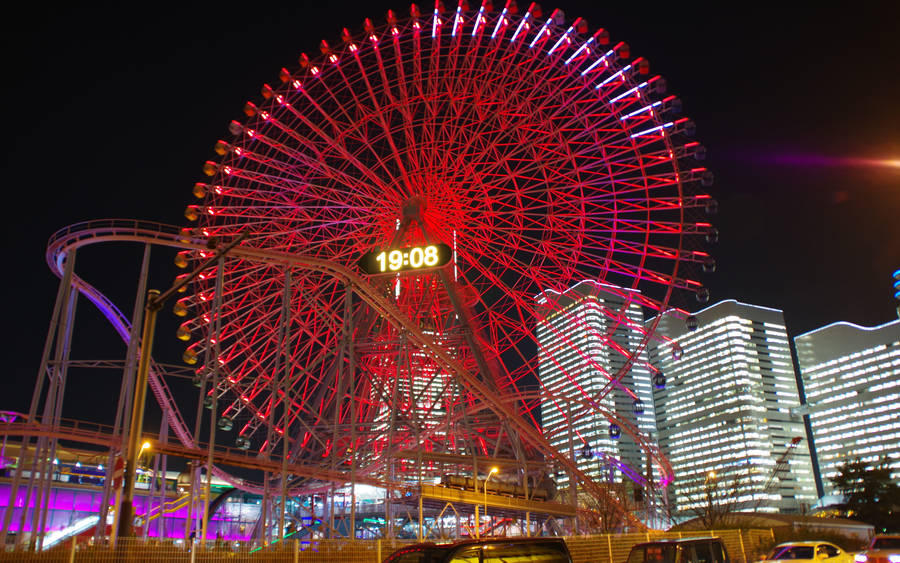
(850, 386)
(730, 408)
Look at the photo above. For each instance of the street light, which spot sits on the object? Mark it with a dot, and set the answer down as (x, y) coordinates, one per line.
(493, 470)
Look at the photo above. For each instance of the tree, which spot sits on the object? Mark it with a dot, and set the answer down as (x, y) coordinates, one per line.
(715, 498)
(870, 495)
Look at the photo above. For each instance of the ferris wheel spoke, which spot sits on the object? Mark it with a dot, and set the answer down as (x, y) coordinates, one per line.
(329, 140)
(306, 168)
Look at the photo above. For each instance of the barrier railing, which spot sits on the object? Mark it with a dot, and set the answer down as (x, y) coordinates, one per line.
(744, 546)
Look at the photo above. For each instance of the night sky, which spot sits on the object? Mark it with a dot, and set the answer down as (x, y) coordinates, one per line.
(111, 114)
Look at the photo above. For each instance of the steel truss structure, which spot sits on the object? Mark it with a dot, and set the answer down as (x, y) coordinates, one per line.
(542, 155)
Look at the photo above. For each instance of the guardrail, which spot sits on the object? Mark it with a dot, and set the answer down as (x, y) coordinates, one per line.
(744, 546)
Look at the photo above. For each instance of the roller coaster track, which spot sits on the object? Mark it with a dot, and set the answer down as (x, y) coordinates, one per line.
(116, 230)
(102, 435)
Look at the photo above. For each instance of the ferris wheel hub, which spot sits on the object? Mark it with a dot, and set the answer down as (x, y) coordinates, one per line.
(414, 208)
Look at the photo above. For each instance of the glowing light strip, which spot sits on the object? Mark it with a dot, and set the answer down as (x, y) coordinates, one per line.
(641, 110)
(563, 38)
(435, 23)
(580, 49)
(651, 130)
(598, 61)
(540, 32)
(456, 20)
(611, 78)
(521, 25)
(500, 21)
(478, 21)
(633, 90)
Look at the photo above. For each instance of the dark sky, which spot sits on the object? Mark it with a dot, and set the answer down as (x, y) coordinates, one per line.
(111, 113)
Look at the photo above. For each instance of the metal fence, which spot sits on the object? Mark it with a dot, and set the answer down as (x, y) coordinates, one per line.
(744, 546)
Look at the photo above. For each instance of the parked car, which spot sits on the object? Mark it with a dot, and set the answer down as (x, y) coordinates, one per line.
(685, 550)
(489, 550)
(884, 548)
(808, 552)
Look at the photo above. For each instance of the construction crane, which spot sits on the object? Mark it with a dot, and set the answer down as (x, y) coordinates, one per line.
(781, 465)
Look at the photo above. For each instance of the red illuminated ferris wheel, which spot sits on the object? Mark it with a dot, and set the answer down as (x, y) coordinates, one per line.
(461, 162)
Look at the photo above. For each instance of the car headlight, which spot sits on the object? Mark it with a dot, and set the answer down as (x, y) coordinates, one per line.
(860, 558)
(894, 558)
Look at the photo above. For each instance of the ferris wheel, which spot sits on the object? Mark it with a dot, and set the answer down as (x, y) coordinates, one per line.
(463, 163)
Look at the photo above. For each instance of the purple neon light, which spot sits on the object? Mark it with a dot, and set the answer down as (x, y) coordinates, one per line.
(85, 502)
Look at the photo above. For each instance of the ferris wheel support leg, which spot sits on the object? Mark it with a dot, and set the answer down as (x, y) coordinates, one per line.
(351, 384)
(573, 482)
(285, 388)
(389, 491)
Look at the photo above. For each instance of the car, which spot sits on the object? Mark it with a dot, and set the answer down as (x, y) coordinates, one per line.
(884, 548)
(684, 550)
(808, 551)
(488, 550)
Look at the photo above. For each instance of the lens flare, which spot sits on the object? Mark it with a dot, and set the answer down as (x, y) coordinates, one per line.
(818, 160)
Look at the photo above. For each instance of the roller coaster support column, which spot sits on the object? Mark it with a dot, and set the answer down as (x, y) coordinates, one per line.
(62, 296)
(155, 302)
(125, 392)
(126, 511)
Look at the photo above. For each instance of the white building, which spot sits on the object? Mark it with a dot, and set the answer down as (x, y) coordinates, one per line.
(852, 379)
(586, 336)
(730, 410)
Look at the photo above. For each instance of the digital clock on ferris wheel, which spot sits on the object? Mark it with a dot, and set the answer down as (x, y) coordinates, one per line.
(394, 260)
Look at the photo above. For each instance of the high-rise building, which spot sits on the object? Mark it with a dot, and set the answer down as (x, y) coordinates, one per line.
(729, 417)
(586, 336)
(851, 375)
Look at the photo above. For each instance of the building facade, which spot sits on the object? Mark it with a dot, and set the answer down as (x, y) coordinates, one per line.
(851, 375)
(586, 337)
(729, 417)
